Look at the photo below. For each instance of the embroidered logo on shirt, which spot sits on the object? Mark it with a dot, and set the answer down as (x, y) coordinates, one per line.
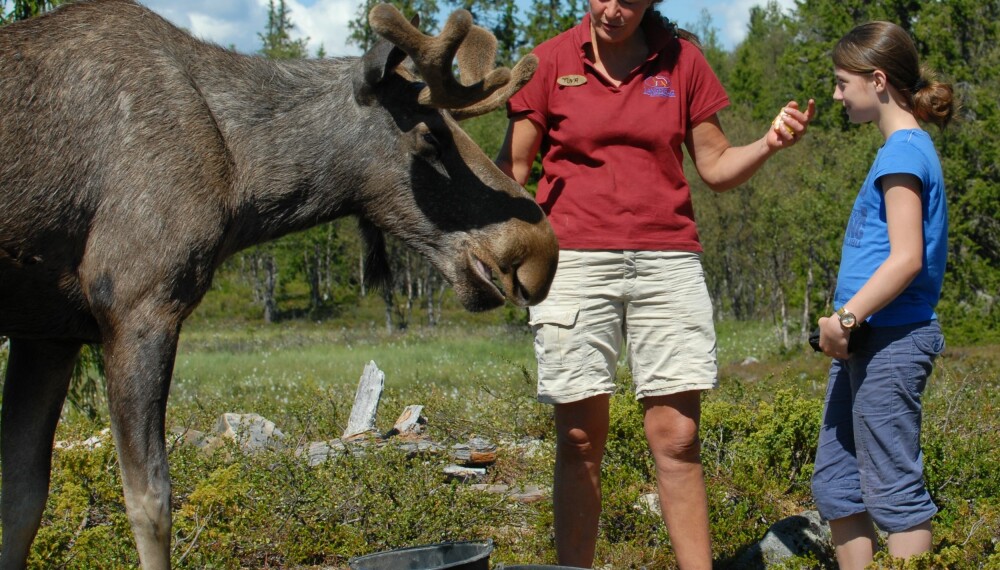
(571, 80)
(658, 86)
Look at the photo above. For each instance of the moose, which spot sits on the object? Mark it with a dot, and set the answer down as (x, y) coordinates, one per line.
(136, 159)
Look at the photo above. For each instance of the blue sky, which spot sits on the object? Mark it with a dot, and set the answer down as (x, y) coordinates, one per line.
(237, 22)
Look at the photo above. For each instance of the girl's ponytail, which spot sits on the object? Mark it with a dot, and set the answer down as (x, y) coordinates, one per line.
(933, 101)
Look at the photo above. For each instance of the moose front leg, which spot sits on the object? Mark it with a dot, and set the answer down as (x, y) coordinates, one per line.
(38, 374)
(139, 362)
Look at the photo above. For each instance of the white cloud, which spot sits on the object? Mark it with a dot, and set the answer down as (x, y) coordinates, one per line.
(238, 23)
(218, 30)
(228, 23)
(729, 17)
(324, 23)
(736, 17)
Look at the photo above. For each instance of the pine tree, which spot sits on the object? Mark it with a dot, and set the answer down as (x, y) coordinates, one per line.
(362, 34)
(547, 18)
(24, 9)
(277, 40)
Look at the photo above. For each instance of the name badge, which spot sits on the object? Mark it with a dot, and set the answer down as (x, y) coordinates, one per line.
(571, 80)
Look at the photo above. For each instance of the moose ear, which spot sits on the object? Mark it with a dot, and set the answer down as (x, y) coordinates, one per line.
(376, 64)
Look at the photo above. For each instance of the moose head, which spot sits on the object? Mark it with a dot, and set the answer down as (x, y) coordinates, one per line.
(482, 214)
(136, 159)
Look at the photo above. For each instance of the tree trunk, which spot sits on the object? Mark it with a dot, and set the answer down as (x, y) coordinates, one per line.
(270, 286)
(387, 296)
(313, 275)
(429, 291)
(783, 308)
(410, 287)
(806, 313)
(361, 271)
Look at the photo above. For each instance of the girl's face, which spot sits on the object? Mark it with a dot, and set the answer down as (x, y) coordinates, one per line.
(616, 20)
(857, 91)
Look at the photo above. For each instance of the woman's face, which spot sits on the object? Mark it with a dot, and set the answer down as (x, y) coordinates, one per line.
(616, 20)
(857, 93)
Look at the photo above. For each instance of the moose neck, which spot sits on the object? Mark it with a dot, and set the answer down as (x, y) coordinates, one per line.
(291, 131)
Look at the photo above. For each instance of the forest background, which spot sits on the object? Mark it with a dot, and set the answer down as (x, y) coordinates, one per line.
(281, 320)
(772, 246)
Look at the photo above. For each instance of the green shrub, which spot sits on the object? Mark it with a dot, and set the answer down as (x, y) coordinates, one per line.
(233, 510)
(627, 449)
(758, 460)
(85, 525)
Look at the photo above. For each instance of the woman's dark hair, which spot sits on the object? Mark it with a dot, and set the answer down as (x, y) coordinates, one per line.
(672, 27)
(886, 46)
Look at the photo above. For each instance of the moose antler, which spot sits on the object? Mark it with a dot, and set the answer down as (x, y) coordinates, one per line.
(481, 89)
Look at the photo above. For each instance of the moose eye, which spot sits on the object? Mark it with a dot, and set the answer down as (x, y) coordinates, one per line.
(429, 145)
(430, 139)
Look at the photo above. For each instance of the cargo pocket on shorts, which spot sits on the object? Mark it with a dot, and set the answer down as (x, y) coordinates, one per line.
(556, 340)
(928, 344)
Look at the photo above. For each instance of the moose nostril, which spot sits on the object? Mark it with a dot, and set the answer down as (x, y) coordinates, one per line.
(520, 292)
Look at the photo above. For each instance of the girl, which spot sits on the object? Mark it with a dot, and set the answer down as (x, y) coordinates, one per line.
(869, 464)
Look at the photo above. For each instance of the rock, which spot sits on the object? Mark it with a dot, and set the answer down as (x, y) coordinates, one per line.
(415, 447)
(797, 535)
(251, 432)
(188, 436)
(92, 442)
(526, 494)
(495, 488)
(464, 473)
(318, 452)
(650, 503)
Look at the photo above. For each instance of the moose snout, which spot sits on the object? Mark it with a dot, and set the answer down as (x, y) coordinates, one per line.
(529, 276)
(533, 278)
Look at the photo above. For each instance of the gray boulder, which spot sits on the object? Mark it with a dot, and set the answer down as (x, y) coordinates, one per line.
(803, 534)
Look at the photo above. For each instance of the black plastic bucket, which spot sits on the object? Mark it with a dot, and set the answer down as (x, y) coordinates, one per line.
(539, 567)
(451, 555)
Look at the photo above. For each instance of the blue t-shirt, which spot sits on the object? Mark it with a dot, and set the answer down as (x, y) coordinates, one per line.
(866, 243)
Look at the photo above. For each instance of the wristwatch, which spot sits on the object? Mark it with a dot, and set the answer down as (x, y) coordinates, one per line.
(847, 319)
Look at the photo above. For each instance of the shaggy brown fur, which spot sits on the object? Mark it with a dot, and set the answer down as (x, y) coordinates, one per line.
(136, 159)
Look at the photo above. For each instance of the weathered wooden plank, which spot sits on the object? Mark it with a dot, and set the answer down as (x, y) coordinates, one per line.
(477, 452)
(366, 400)
(521, 494)
(410, 422)
(464, 473)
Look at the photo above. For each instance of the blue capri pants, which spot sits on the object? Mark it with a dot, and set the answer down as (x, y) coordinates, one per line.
(869, 456)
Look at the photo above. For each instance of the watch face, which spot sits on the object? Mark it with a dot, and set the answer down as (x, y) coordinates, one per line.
(847, 320)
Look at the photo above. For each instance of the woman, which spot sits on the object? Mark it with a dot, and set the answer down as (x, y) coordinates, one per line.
(613, 103)
(869, 464)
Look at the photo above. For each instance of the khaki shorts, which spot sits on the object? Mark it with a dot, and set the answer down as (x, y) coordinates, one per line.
(656, 302)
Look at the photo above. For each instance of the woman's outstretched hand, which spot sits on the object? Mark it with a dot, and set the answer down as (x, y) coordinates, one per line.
(790, 124)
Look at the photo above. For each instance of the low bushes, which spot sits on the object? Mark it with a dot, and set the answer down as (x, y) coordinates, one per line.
(271, 510)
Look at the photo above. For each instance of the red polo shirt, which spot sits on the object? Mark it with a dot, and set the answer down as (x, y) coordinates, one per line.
(612, 158)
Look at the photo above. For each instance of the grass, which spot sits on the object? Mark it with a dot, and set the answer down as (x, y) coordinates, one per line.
(296, 352)
(220, 359)
(271, 510)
